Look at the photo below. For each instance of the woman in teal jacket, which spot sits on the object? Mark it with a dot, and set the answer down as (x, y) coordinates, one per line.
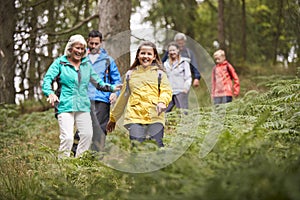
(73, 107)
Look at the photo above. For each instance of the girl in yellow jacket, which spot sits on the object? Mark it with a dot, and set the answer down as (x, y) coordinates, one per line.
(145, 96)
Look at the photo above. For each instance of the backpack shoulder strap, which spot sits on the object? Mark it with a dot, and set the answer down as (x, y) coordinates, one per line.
(159, 77)
(128, 74)
(127, 77)
(107, 70)
(229, 71)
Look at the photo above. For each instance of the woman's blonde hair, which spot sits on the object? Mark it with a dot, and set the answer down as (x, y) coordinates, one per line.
(219, 52)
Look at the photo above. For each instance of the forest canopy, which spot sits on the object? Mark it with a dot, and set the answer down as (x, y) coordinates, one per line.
(264, 33)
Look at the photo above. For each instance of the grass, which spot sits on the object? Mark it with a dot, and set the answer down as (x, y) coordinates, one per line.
(256, 156)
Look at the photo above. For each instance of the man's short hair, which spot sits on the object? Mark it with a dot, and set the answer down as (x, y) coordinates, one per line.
(95, 33)
(180, 36)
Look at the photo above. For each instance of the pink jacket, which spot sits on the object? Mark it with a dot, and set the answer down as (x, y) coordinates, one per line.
(222, 76)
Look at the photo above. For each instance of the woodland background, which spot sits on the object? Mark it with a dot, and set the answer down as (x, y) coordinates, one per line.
(257, 154)
(262, 33)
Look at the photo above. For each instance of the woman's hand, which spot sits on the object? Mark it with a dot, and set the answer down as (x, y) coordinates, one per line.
(110, 126)
(160, 107)
(52, 98)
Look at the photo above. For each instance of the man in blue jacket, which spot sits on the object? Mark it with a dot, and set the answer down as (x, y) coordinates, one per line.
(106, 68)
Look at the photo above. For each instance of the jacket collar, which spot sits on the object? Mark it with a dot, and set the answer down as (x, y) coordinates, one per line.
(152, 67)
(102, 54)
(224, 63)
(65, 60)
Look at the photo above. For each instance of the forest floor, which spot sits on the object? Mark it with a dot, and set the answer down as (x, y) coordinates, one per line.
(247, 149)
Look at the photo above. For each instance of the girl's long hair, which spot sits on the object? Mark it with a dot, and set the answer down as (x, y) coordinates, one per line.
(157, 60)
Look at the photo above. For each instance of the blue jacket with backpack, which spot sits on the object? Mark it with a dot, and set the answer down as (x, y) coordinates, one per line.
(107, 71)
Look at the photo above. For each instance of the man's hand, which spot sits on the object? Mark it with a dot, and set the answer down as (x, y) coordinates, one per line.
(52, 98)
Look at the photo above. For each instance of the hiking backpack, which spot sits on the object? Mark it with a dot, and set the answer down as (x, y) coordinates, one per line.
(128, 74)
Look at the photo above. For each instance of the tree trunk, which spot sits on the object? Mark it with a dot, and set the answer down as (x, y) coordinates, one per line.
(114, 24)
(244, 31)
(32, 78)
(7, 69)
(221, 24)
(278, 30)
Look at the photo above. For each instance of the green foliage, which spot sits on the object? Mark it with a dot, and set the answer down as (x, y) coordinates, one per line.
(271, 27)
(176, 14)
(257, 155)
(42, 31)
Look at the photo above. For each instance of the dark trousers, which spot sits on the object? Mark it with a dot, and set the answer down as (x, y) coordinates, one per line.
(139, 132)
(100, 117)
(224, 99)
(179, 100)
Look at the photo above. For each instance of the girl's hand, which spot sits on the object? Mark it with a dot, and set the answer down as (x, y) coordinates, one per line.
(52, 98)
(112, 98)
(160, 107)
(110, 126)
(185, 91)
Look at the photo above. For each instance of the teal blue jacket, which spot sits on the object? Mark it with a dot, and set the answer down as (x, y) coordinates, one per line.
(74, 84)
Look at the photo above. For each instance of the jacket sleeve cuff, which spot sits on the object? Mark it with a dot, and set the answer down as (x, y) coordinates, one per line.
(112, 88)
(104, 88)
(112, 118)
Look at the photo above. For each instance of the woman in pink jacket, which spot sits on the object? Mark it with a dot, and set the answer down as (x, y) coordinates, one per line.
(222, 76)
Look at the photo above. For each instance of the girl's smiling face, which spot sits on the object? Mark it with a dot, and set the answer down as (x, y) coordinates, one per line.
(146, 56)
(173, 52)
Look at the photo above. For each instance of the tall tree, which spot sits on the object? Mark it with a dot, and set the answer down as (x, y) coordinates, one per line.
(7, 70)
(244, 31)
(114, 24)
(42, 30)
(178, 15)
(221, 24)
(278, 28)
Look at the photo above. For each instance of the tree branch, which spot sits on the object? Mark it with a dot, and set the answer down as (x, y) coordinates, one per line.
(86, 20)
(211, 5)
(38, 3)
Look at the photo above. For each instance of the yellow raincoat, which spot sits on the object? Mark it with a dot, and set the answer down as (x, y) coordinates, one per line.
(141, 99)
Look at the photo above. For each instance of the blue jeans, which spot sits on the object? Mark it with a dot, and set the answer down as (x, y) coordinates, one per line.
(224, 99)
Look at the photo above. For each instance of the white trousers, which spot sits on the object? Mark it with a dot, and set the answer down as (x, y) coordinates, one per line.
(83, 122)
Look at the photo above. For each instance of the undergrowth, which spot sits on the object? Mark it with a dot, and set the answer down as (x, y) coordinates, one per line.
(256, 156)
